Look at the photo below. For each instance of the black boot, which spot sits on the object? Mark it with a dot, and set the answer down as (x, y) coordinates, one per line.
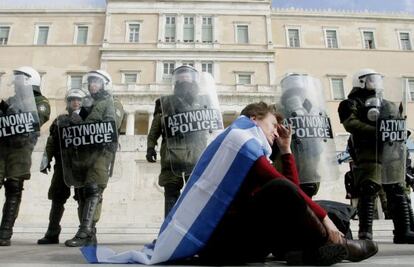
(365, 216)
(53, 230)
(86, 234)
(401, 220)
(410, 211)
(10, 210)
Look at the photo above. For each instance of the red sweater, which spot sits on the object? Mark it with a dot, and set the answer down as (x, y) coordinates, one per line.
(262, 172)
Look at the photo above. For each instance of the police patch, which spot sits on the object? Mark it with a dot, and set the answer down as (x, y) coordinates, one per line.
(42, 108)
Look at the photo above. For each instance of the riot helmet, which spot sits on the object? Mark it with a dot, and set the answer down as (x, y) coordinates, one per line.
(75, 99)
(368, 79)
(29, 76)
(300, 94)
(371, 80)
(185, 80)
(98, 83)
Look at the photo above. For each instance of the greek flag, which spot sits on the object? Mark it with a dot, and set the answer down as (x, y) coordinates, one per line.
(211, 188)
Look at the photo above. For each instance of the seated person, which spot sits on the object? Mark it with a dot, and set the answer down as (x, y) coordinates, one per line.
(236, 208)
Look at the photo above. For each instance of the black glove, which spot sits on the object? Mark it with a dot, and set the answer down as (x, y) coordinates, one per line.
(3, 106)
(83, 113)
(151, 155)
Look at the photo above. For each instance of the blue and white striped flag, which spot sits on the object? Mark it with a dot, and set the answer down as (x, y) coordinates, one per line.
(211, 188)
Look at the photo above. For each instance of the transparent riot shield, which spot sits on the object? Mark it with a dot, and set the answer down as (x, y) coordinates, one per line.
(19, 128)
(88, 139)
(392, 135)
(303, 106)
(191, 117)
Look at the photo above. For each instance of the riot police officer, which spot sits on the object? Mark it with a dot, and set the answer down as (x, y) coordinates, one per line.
(91, 169)
(303, 106)
(59, 192)
(378, 159)
(182, 140)
(16, 149)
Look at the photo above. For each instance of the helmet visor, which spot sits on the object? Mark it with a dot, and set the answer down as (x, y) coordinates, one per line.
(374, 82)
(94, 83)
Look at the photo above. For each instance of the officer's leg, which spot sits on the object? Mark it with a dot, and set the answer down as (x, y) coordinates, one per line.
(410, 211)
(397, 201)
(85, 234)
(171, 195)
(59, 192)
(13, 189)
(366, 204)
(310, 189)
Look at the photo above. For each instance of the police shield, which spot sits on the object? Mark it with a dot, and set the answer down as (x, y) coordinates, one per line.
(191, 117)
(392, 135)
(19, 128)
(88, 138)
(303, 106)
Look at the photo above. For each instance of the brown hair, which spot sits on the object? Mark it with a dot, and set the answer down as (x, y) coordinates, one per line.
(258, 110)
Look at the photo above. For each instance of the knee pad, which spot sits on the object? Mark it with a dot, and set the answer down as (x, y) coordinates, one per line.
(13, 187)
(395, 189)
(91, 190)
(370, 188)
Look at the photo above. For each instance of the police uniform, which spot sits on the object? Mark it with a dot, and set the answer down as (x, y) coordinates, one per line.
(368, 168)
(94, 168)
(58, 192)
(178, 153)
(15, 168)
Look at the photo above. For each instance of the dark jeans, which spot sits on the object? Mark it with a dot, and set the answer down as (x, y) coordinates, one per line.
(276, 218)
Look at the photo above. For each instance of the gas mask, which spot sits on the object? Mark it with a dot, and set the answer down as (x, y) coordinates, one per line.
(186, 90)
(373, 106)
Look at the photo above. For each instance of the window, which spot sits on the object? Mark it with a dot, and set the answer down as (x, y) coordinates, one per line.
(75, 82)
(369, 42)
(168, 69)
(207, 30)
(170, 29)
(331, 39)
(188, 63)
(133, 32)
(244, 78)
(42, 35)
(405, 41)
(4, 34)
(130, 78)
(293, 35)
(188, 31)
(242, 34)
(338, 92)
(81, 35)
(410, 84)
(207, 67)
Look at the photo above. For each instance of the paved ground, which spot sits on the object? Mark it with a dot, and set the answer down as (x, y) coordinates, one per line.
(25, 252)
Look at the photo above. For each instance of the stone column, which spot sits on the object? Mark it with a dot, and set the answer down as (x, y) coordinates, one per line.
(130, 124)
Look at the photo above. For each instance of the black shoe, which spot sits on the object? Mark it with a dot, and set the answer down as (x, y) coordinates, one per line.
(46, 240)
(82, 239)
(323, 256)
(51, 236)
(5, 242)
(404, 238)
